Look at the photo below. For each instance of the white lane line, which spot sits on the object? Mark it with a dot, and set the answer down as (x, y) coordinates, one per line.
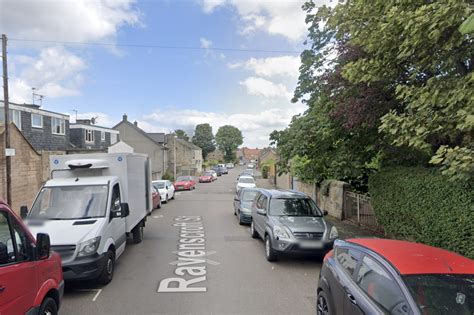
(158, 216)
(97, 295)
(92, 290)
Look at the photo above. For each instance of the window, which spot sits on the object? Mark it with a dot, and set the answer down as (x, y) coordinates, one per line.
(89, 135)
(115, 206)
(36, 121)
(7, 252)
(348, 259)
(58, 126)
(113, 138)
(102, 136)
(262, 202)
(15, 117)
(21, 241)
(375, 281)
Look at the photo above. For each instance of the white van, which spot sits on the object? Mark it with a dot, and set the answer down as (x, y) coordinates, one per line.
(89, 207)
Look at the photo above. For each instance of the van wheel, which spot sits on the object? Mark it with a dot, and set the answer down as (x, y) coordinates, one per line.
(48, 307)
(138, 233)
(108, 271)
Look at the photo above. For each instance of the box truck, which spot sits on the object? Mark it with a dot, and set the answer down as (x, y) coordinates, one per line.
(89, 206)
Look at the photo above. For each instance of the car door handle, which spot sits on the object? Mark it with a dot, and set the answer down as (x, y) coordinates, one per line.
(351, 298)
(2, 288)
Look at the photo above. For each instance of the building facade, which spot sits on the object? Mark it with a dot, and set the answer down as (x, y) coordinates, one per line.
(85, 135)
(188, 156)
(141, 142)
(44, 130)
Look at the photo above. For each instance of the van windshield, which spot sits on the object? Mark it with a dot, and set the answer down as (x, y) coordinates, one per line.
(70, 202)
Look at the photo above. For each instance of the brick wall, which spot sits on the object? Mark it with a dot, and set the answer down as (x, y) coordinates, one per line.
(27, 170)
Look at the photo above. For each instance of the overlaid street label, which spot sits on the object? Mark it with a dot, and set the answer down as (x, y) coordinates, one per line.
(191, 263)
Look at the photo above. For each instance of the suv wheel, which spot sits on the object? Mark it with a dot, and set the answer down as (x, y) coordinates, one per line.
(253, 233)
(270, 253)
(322, 304)
(48, 307)
(239, 215)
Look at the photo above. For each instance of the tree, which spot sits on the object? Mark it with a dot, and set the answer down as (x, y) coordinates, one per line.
(204, 139)
(181, 134)
(228, 139)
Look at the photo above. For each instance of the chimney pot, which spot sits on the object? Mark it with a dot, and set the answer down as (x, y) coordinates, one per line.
(124, 117)
(135, 123)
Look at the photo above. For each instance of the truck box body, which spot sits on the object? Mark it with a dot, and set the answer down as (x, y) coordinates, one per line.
(132, 169)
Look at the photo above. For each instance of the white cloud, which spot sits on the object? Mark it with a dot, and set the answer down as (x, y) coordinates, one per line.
(205, 43)
(209, 5)
(284, 66)
(255, 127)
(56, 71)
(265, 88)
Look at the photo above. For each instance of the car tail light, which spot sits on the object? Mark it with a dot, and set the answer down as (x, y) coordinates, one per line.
(328, 255)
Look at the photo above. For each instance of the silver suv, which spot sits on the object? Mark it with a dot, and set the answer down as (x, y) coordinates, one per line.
(290, 222)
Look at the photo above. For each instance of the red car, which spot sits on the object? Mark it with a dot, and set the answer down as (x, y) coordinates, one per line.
(206, 178)
(381, 276)
(184, 183)
(155, 194)
(31, 277)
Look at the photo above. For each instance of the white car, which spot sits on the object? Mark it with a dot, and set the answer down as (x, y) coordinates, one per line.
(251, 165)
(166, 189)
(245, 182)
(214, 174)
(229, 165)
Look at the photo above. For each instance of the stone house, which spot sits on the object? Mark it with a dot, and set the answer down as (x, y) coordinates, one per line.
(26, 170)
(85, 135)
(142, 142)
(45, 130)
(187, 155)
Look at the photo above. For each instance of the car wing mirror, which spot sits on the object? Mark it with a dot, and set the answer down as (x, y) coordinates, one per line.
(125, 209)
(43, 246)
(261, 211)
(23, 212)
(3, 253)
(236, 198)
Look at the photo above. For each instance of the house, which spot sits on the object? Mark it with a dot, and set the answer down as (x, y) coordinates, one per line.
(45, 130)
(269, 157)
(26, 169)
(251, 154)
(188, 156)
(85, 135)
(142, 142)
(120, 147)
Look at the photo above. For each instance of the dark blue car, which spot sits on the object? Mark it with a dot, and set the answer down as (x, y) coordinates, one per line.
(243, 204)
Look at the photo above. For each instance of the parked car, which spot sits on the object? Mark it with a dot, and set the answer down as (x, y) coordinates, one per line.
(185, 183)
(381, 276)
(214, 174)
(251, 165)
(218, 170)
(224, 170)
(31, 276)
(245, 182)
(290, 222)
(229, 166)
(166, 189)
(241, 163)
(243, 204)
(155, 195)
(206, 177)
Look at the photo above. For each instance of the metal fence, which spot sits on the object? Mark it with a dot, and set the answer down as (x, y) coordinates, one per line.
(358, 208)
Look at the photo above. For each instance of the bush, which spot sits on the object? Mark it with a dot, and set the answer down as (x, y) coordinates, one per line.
(265, 171)
(167, 176)
(422, 205)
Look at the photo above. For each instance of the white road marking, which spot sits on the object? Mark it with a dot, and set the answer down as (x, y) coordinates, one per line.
(209, 261)
(92, 290)
(158, 216)
(97, 295)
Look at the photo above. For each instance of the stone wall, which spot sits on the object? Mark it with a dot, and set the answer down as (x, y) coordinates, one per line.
(26, 171)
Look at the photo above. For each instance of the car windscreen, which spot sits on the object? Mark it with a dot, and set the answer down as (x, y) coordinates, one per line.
(207, 174)
(442, 293)
(295, 207)
(248, 195)
(184, 178)
(159, 185)
(70, 202)
(246, 180)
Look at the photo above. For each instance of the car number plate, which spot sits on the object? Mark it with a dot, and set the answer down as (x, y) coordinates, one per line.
(311, 245)
(180, 187)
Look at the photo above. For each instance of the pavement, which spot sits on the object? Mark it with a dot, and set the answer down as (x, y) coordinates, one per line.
(346, 229)
(232, 278)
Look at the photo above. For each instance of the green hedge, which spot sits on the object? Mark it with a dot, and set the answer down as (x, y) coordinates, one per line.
(422, 205)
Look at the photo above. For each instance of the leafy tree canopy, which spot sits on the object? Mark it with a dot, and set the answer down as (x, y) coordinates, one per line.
(204, 139)
(181, 134)
(228, 139)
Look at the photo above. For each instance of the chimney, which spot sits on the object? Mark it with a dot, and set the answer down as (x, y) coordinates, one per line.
(124, 117)
(135, 123)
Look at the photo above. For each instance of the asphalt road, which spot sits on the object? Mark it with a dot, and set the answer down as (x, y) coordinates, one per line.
(238, 279)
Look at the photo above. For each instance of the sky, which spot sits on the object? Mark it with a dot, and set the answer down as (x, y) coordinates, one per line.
(159, 61)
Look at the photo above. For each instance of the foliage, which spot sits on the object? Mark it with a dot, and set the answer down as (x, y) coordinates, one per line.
(181, 134)
(204, 139)
(468, 25)
(228, 139)
(420, 205)
(209, 164)
(386, 83)
(265, 169)
(167, 176)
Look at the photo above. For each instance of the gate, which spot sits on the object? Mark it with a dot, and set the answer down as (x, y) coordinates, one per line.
(358, 208)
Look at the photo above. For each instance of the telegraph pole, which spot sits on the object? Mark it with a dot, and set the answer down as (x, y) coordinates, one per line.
(8, 159)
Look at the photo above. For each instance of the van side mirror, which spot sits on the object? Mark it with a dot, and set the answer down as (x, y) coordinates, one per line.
(261, 211)
(3, 253)
(125, 210)
(23, 212)
(43, 246)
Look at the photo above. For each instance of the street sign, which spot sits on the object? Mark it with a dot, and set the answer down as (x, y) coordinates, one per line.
(9, 152)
